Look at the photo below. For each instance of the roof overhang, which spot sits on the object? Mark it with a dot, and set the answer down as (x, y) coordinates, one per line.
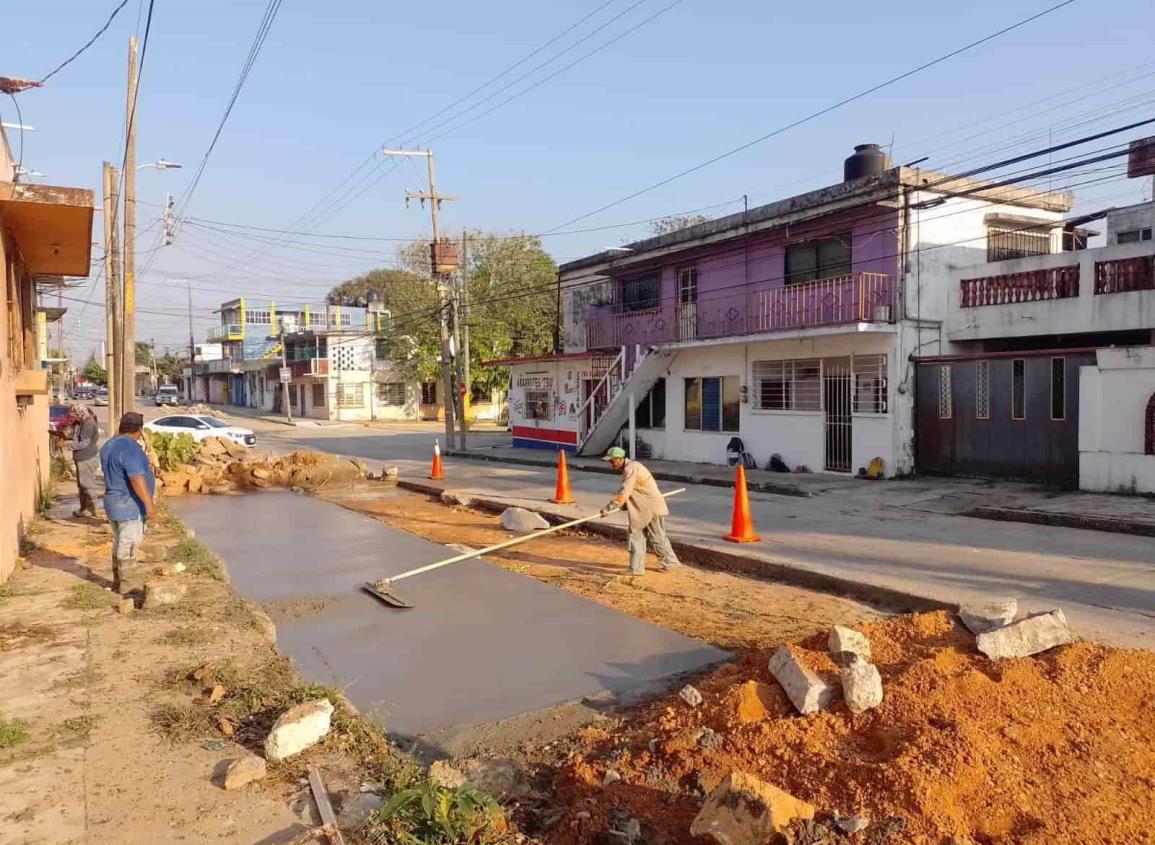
(52, 226)
(52, 313)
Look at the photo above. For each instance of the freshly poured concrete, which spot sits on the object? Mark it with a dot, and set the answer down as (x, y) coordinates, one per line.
(481, 643)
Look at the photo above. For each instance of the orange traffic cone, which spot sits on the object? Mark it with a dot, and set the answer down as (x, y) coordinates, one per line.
(436, 473)
(742, 525)
(562, 494)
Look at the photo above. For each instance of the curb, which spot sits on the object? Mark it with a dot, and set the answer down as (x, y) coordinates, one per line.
(1111, 524)
(661, 475)
(724, 561)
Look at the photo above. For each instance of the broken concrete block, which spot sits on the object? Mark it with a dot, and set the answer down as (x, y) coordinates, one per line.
(522, 521)
(158, 593)
(743, 810)
(983, 616)
(861, 685)
(125, 606)
(806, 691)
(1028, 636)
(690, 695)
(390, 472)
(848, 641)
(243, 771)
(456, 497)
(710, 739)
(298, 728)
(445, 776)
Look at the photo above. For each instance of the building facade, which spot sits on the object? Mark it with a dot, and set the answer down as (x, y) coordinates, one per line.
(45, 235)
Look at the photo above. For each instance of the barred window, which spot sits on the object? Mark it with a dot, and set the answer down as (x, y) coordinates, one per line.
(788, 385)
(642, 293)
(945, 406)
(870, 384)
(318, 395)
(1058, 388)
(1004, 244)
(391, 393)
(538, 405)
(982, 390)
(1019, 389)
(428, 393)
(350, 395)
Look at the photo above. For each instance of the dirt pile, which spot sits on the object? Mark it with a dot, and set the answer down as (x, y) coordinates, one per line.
(222, 466)
(1050, 749)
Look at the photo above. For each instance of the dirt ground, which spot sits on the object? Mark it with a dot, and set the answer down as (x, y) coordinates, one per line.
(85, 755)
(730, 611)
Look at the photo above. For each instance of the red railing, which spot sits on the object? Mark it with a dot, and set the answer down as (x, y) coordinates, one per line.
(1125, 274)
(1028, 286)
(863, 297)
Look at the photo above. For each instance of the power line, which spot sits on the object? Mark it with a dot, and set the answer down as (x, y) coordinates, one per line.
(819, 113)
(87, 44)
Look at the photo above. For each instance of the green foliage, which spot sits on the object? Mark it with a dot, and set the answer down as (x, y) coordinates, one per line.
(429, 814)
(172, 450)
(12, 733)
(88, 596)
(95, 373)
(676, 222)
(197, 558)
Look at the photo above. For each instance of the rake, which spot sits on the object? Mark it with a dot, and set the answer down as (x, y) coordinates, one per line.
(383, 589)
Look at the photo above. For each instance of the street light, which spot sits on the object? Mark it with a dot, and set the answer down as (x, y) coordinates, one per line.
(161, 164)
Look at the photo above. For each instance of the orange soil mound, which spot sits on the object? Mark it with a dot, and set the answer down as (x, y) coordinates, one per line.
(1053, 749)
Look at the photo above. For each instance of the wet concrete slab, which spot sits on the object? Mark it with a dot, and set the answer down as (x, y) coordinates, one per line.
(480, 644)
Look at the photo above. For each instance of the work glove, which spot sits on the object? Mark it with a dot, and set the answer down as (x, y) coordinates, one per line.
(610, 508)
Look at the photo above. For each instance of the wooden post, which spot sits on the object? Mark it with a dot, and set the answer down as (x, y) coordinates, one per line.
(112, 294)
(128, 362)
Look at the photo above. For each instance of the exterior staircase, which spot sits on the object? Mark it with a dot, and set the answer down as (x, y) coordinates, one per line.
(273, 351)
(607, 409)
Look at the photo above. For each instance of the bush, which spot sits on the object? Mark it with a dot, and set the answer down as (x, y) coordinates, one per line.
(172, 450)
(436, 815)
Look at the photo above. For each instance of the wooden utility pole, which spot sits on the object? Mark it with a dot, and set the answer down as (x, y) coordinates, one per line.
(443, 302)
(112, 293)
(128, 362)
(463, 316)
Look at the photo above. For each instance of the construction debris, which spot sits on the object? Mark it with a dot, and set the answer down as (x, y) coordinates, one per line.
(983, 616)
(298, 728)
(243, 771)
(690, 695)
(1028, 636)
(522, 521)
(158, 593)
(125, 606)
(847, 641)
(221, 466)
(743, 810)
(806, 691)
(861, 685)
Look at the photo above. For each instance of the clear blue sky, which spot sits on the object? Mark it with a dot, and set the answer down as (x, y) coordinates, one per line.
(334, 80)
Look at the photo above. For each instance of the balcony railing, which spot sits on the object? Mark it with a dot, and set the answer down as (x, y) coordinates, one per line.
(1125, 274)
(1027, 286)
(230, 331)
(858, 298)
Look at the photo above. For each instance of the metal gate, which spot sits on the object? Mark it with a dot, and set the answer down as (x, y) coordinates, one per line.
(688, 303)
(836, 376)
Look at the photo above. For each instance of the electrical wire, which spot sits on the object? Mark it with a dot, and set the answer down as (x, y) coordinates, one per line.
(88, 44)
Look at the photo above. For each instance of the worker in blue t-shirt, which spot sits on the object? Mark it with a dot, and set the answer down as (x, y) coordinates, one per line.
(129, 486)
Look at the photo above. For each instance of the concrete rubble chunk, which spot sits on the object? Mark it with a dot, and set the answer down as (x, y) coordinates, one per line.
(806, 691)
(298, 728)
(522, 521)
(445, 775)
(844, 641)
(159, 593)
(983, 616)
(125, 606)
(611, 777)
(390, 472)
(1028, 636)
(743, 810)
(243, 771)
(861, 685)
(856, 823)
(456, 497)
(690, 695)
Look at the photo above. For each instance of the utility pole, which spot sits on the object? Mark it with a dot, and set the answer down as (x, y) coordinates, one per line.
(285, 384)
(128, 362)
(463, 316)
(444, 304)
(112, 293)
(192, 347)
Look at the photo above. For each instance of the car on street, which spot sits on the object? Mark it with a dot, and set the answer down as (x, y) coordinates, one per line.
(101, 397)
(200, 426)
(166, 394)
(82, 393)
(58, 417)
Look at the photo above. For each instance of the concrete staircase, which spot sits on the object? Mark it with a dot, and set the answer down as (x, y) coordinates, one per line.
(616, 413)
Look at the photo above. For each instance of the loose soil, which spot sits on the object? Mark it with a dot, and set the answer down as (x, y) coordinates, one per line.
(731, 611)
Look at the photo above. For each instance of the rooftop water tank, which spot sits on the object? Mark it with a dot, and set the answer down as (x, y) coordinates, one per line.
(868, 160)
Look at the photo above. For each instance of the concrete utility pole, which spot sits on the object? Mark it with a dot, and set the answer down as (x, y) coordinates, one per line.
(463, 316)
(128, 362)
(111, 183)
(443, 302)
(192, 347)
(284, 384)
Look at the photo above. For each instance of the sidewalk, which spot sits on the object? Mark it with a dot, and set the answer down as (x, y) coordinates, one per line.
(907, 544)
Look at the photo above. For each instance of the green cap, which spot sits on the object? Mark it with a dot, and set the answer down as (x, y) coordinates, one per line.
(615, 452)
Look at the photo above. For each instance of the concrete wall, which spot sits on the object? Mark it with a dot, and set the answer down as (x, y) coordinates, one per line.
(799, 436)
(1139, 216)
(1113, 399)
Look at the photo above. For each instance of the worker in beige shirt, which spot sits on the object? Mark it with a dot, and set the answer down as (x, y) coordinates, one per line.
(647, 510)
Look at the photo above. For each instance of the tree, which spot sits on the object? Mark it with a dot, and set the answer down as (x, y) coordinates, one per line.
(143, 353)
(94, 372)
(676, 222)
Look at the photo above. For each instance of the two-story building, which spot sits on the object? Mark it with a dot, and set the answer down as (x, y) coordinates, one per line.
(45, 235)
(790, 326)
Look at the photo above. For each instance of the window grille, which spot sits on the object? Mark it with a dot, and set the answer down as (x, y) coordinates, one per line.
(350, 395)
(870, 384)
(945, 406)
(788, 385)
(982, 390)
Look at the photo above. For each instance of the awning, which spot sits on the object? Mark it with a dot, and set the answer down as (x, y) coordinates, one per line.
(51, 225)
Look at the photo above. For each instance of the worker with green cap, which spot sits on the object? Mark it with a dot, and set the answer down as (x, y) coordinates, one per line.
(647, 510)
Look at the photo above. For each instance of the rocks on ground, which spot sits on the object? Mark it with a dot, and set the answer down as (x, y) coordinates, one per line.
(1028, 636)
(222, 466)
(743, 810)
(806, 691)
(846, 641)
(298, 728)
(160, 593)
(522, 521)
(690, 695)
(861, 685)
(243, 771)
(983, 616)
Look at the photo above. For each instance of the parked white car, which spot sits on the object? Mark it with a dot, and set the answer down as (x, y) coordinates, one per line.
(200, 426)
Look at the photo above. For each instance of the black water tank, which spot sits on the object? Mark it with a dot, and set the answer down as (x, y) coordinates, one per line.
(868, 160)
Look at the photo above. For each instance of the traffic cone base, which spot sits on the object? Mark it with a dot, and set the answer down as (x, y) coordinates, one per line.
(742, 524)
(562, 494)
(436, 473)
